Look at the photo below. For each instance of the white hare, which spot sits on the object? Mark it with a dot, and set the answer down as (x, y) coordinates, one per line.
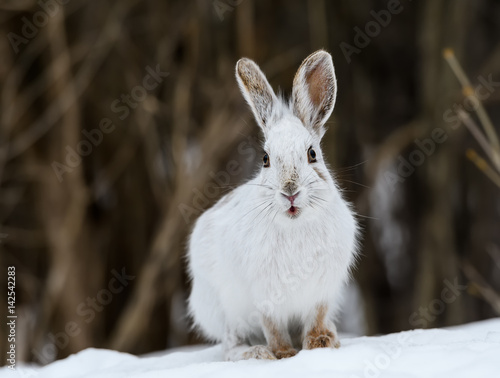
(269, 260)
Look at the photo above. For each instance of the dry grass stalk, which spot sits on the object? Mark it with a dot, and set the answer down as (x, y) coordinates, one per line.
(467, 90)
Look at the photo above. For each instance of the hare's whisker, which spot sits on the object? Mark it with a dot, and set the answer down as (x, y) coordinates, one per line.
(261, 185)
(260, 212)
(343, 169)
(266, 200)
(356, 183)
(366, 216)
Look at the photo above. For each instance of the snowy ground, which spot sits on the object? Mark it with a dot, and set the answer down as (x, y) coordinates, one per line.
(467, 351)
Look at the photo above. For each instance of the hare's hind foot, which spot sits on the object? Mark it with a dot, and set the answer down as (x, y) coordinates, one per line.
(246, 352)
(259, 352)
(236, 349)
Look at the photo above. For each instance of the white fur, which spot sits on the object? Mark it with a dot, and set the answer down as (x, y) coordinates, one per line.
(248, 258)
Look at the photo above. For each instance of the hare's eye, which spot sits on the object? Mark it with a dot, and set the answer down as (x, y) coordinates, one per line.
(311, 155)
(266, 161)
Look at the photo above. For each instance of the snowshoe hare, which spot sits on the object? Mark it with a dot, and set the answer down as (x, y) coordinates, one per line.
(269, 260)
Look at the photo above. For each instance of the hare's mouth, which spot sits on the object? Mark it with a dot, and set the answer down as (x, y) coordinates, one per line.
(293, 211)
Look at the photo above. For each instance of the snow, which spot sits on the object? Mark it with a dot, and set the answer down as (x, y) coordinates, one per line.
(472, 350)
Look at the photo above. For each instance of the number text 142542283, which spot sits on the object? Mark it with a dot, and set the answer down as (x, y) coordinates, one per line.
(11, 317)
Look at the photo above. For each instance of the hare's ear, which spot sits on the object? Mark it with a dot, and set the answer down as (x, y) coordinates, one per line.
(314, 91)
(257, 91)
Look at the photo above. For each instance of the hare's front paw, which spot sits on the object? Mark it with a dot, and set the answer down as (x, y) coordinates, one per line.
(285, 352)
(259, 352)
(321, 339)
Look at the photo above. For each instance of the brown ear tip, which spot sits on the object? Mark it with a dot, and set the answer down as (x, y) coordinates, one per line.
(322, 55)
(318, 57)
(244, 63)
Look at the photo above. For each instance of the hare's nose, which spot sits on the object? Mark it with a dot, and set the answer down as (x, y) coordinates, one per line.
(291, 198)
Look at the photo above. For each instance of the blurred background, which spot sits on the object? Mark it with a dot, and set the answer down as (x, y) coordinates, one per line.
(121, 121)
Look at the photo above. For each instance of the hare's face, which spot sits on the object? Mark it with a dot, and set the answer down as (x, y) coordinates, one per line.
(293, 168)
(293, 173)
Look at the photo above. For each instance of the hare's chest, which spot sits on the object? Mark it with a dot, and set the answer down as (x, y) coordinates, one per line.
(292, 263)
